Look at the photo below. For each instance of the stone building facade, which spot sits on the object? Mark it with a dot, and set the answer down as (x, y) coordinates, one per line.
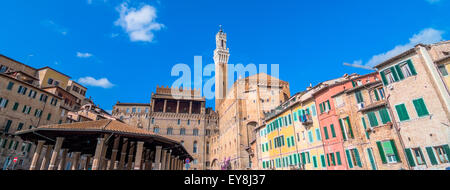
(23, 105)
(420, 103)
(182, 119)
(241, 110)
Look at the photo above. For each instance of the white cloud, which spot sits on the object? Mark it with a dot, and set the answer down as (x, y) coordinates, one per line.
(140, 24)
(90, 81)
(426, 36)
(83, 55)
(55, 27)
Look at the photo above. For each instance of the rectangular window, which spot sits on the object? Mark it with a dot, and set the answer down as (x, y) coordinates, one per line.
(388, 152)
(333, 133)
(441, 154)
(421, 108)
(402, 112)
(7, 126)
(16, 105)
(372, 119)
(318, 135)
(443, 70)
(49, 116)
(359, 97)
(325, 131)
(384, 115)
(10, 86)
(3, 102)
(310, 135)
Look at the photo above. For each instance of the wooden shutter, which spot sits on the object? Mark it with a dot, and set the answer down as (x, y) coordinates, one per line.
(358, 159)
(383, 78)
(410, 157)
(394, 148)
(399, 72)
(338, 156)
(431, 155)
(365, 127)
(349, 158)
(394, 73)
(380, 149)
(349, 127)
(344, 136)
(411, 67)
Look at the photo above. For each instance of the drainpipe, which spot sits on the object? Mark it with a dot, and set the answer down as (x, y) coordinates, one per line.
(436, 78)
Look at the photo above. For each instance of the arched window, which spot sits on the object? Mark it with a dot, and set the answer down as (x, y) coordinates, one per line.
(194, 147)
(195, 132)
(182, 131)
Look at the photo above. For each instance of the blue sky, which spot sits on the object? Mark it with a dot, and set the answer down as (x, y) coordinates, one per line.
(121, 50)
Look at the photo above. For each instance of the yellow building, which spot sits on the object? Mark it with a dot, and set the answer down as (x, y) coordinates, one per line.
(291, 138)
(49, 77)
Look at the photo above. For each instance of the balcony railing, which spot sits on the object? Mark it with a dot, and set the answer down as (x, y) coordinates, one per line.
(306, 119)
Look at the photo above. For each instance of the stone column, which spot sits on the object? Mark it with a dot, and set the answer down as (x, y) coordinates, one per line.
(36, 155)
(130, 156)
(76, 159)
(172, 162)
(123, 154)
(168, 157)
(59, 141)
(163, 159)
(190, 107)
(138, 158)
(63, 161)
(46, 160)
(178, 106)
(158, 158)
(103, 160)
(98, 153)
(114, 152)
(165, 105)
(87, 162)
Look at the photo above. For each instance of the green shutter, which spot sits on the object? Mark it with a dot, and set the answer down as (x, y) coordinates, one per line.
(402, 112)
(447, 150)
(411, 67)
(303, 158)
(371, 158)
(384, 115)
(349, 127)
(421, 108)
(394, 148)
(358, 159)
(372, 119)
(295, 116)
(365, 127)
(16, 105)
(338, 156)
(326, 132)
(329, 106)
(383, 78)
(344, 136)
(410, 157)
(314, 161)
(328, 159)
(322, 159)
(333, 133)
(431, 155)
(353, 83)
(377, 97)
(394, 73)
(349, 159)
(399, 72)
(380, 149)
(359, 97)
